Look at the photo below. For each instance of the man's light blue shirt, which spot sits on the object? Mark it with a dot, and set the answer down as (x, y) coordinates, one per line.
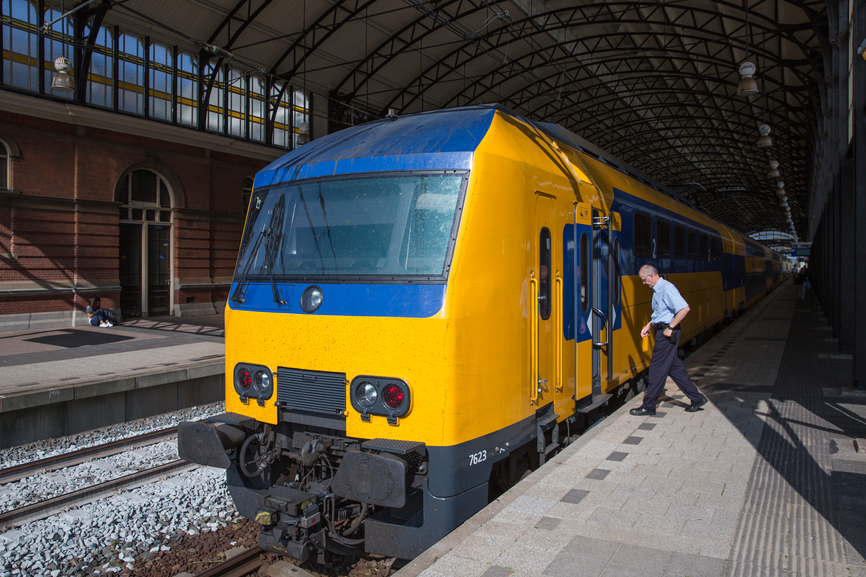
(667, 302)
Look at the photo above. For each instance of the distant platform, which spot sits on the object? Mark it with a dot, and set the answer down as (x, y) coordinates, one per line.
(56, 382)
(766, 480)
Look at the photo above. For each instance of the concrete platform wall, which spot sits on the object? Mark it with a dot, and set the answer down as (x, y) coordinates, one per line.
(76, 415)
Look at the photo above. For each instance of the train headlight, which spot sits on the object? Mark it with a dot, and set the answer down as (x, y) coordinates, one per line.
(383, 396)
(393, 396)
(312, 299)
(263, 383)
(366, 394)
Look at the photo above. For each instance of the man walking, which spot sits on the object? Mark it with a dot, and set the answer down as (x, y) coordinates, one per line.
(669, 310)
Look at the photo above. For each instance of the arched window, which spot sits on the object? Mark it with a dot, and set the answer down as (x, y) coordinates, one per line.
(58, 43)
(237, 88)
(282, 118)
(145, 196)
(130, 74)
(215, 102)
(5, 166)
(300, 114)
(100, 80)
(257, 108)
(159, 91)
(20, 45)
(187, 89)
(248, 193)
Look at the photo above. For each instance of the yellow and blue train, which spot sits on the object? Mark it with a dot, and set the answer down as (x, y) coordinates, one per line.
(425, 306)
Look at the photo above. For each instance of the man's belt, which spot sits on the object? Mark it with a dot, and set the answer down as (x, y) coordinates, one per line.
(663, 326)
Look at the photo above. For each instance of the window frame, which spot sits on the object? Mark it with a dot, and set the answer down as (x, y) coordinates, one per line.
(640, 250)
(691, 244)
(659, 237)
(679, 249)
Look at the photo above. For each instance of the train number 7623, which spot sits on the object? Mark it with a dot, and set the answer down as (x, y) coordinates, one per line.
(476, 458)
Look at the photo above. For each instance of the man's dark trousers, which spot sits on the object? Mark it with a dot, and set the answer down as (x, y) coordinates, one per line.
(664, 362)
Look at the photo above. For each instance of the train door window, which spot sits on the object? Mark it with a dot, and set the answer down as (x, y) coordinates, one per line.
(679, 242)
(692, 246)
(663, 238)
(714, 249)
(544, 274)
(617, 274)
(704, 252)
(584, 273)
(643, 235)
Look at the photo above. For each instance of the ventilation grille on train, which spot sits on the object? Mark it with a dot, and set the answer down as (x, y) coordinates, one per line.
(312, 391)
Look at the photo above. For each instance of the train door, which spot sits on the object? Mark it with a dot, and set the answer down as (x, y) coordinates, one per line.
(544, 282)
(604, 301)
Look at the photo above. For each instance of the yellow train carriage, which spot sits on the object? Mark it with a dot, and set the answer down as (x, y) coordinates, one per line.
(422, 305)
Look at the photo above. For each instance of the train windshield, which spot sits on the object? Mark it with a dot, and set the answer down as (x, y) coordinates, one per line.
(358, 227)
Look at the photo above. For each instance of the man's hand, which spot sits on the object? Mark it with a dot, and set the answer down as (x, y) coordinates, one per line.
(668, 332)
(646, 331)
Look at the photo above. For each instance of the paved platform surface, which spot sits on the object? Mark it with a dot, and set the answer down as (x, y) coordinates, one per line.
(764, 481)
(50, 365)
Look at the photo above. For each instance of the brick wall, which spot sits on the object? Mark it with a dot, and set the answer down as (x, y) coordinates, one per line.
(59, 225)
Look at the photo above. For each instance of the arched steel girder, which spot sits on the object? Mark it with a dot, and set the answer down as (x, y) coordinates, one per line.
(387, 51)
(586, 98)
(322, 29)
(689, 121)
(325, 26)
(616, 59)
(504, 32)
(205, 56)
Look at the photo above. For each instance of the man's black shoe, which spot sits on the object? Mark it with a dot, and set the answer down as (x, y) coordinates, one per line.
(695, 407)
(643, 411)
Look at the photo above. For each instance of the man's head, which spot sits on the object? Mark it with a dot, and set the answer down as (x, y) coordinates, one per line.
(649, 275)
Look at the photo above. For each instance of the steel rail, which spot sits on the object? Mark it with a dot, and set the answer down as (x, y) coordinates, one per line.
(86, 495)
(18, 472)
(238, 566)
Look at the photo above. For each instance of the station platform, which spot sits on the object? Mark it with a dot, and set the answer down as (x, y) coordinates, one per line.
(56, 382)
(765, 480)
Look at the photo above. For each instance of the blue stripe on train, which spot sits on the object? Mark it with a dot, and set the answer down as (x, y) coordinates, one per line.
(359, 300)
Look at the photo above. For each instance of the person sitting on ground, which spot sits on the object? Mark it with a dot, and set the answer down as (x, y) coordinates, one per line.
(99, 317)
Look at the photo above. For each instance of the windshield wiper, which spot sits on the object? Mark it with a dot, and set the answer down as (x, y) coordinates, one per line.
(274, 241)
(239, 296)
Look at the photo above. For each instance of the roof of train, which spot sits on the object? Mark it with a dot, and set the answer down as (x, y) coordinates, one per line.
(422, 141)
(415, 142)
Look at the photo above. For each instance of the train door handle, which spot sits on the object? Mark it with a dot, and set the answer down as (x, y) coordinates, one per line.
(604, 318)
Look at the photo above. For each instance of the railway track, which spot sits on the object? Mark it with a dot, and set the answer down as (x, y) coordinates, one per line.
(238, 566)
(18, 472)
(86, 495)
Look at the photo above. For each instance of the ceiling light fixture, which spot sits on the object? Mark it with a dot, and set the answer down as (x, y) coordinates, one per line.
(774, 169)
(765, 141)
(63, 81)
(748, 85)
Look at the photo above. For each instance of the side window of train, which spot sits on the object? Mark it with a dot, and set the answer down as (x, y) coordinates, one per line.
(663, 238)
(643, 235)
(714, 249)
(704, 248)
(584, 273)
(692, 245)
(679, 242)
(544, 274)
(617, 274)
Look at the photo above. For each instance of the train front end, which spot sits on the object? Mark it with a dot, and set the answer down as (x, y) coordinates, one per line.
(336, 343)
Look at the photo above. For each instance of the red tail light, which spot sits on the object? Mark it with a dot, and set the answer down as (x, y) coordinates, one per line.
(245, 379)
(393, 395)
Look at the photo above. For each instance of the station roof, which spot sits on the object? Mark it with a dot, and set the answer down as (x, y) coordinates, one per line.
(654, 83)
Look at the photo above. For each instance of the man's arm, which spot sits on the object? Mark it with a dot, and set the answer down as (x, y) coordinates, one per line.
(678, 318)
